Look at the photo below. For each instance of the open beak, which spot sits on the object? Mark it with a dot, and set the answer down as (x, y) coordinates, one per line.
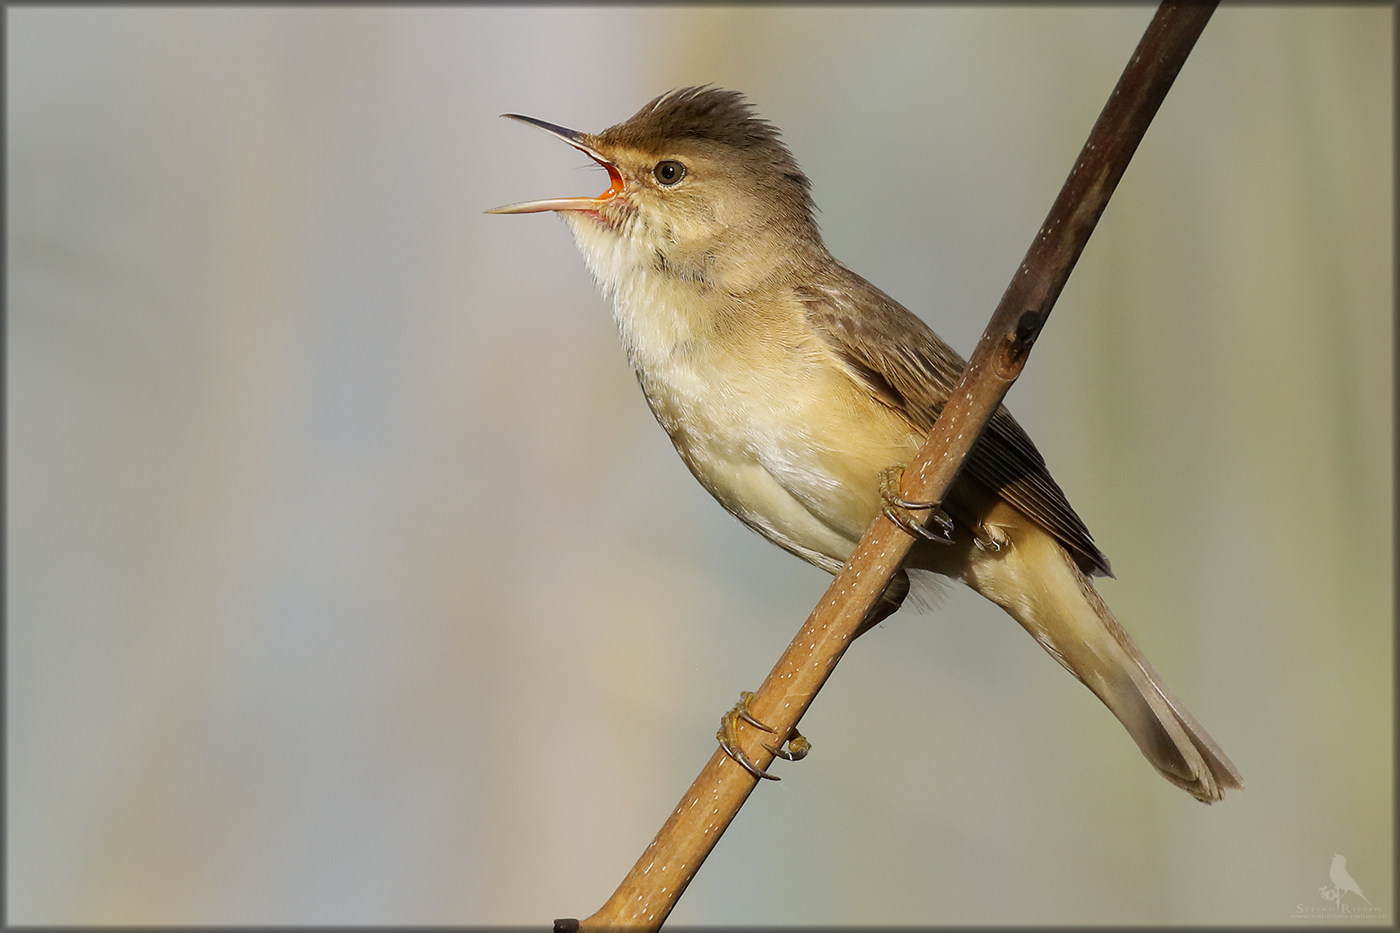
(573, 138)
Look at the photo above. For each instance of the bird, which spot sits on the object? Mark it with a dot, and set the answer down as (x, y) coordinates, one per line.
(795, 391)
(1343, 880)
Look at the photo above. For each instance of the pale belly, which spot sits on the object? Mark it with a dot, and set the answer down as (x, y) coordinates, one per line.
(796, 454)
(760, 409)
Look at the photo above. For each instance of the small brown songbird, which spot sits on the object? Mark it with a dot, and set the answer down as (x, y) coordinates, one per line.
(794, 389)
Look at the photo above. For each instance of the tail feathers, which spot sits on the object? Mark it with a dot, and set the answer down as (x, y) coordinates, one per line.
(1176, 744)
(1038, 584)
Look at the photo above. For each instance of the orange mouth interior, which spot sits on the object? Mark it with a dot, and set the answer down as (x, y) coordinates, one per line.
(615, 179)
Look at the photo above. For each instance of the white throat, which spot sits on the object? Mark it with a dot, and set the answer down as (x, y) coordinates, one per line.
(646, 295)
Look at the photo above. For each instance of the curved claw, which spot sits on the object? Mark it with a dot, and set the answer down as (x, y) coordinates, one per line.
(741, 709)
(898, 507)
(943, 534)
(734, 751)
(893, 497)
(797, 747)
(943, 520)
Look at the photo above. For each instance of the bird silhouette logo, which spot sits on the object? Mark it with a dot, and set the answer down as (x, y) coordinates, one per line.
(1344, 884)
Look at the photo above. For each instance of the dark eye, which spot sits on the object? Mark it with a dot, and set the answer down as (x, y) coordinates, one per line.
(669, 172)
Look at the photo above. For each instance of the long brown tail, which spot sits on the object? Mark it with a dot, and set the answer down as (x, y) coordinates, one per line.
(1034, 580)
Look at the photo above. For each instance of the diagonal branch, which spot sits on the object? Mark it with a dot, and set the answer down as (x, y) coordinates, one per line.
(649, 892)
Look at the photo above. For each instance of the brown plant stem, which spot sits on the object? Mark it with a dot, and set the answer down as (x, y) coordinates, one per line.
(649, 892)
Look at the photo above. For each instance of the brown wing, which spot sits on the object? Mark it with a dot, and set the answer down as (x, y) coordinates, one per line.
(909, 367)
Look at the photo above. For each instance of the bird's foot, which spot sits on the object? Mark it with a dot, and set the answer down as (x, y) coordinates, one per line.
(794, 749)
(901, 511)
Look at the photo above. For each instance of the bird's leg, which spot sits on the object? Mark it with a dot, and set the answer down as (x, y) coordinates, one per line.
(900, 510)
(886, 605)
(796, 748)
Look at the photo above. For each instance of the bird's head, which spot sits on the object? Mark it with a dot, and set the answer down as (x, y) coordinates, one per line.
(695, 178)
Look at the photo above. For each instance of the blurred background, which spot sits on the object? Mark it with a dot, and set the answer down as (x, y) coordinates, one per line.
(350, 579)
